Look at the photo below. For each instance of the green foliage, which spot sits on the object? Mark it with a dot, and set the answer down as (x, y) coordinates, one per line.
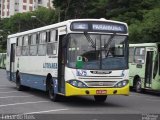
(23, 21)
(73, 9)
(142, 17)
(148, 29)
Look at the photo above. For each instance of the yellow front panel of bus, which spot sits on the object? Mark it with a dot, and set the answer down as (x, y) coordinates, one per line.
(74, 91)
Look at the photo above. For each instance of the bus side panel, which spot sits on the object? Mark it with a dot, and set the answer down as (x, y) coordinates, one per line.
(136, 70)
(31, 71)
(34, 70)
(33, 81)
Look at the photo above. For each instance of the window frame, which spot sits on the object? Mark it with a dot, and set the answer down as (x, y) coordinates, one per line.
(33, 37)
(19, 43)
(131, 55)
(43, 43)
(54, 42)
(25, 46)
(135, 55)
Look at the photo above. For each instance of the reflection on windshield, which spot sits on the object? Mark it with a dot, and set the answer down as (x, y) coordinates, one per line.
(97, 51)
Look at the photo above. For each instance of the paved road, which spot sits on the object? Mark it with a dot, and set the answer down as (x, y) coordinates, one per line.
(35, 102)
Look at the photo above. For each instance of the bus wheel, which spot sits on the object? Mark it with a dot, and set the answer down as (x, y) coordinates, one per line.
(100, 98)
(18, 83)
(138, 87)
(52, 96)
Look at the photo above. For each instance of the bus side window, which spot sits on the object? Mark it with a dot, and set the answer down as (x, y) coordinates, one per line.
(25, 47)
(33, 45)
(8, 47)
(139, 57)
(19, 46)
(42, 43)
(52, 48)
(52, 36)
(131, 54)
(52, 44)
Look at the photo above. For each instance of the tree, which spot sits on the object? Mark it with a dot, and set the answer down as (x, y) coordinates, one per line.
(23, 21)
(72, 9)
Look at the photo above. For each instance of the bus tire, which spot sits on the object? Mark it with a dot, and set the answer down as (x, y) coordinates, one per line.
(19, 87)
(138, 87)
(53, 97)
(100, 98)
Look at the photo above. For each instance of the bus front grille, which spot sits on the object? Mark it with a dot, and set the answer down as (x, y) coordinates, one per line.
(100, 83)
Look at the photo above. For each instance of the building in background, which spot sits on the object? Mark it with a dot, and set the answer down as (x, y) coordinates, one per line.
(11, 7)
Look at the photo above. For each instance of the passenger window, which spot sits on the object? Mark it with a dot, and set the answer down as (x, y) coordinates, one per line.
(131, 55)
(43, 38)
(52, 48)
(33, 45)
(33, 39)
(139, 57)
(19, 46)
(25, 41)
(8, 47)
(53, 36)
(52, 44)
(25, 47)
(20, 41)
(42, 44)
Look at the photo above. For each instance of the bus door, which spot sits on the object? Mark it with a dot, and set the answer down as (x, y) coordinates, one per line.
(61, 64)
(12, 61)
(148, 69)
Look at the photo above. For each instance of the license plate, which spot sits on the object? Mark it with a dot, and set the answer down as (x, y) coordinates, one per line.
(101, 91)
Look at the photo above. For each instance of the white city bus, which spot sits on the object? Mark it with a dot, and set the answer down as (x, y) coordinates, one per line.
(71, 58)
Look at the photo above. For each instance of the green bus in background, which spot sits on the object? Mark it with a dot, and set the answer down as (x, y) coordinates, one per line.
(144, 66)
(2, 60)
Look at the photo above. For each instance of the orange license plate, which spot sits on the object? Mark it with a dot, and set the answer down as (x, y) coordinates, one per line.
(101, 91)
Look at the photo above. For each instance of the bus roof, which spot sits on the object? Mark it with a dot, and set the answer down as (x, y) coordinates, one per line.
(143, 44)
(59, 25)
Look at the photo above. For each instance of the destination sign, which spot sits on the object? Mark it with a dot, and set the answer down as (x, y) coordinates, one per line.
(97, 26)
(80, 26)
(108, 27)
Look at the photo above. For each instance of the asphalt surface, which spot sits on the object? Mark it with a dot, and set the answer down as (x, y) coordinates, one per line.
(37, 102)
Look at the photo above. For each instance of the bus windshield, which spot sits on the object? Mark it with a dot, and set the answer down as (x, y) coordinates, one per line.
(98, 51)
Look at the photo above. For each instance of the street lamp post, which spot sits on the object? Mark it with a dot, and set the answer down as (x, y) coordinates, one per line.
(35, 17)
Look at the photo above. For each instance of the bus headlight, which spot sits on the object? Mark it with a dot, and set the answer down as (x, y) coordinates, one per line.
(121, 84)
(77, 83)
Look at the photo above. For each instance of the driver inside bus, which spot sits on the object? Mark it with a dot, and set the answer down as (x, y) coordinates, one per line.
(84, 59)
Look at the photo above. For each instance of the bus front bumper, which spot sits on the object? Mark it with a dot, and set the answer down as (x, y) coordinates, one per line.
(74, 91)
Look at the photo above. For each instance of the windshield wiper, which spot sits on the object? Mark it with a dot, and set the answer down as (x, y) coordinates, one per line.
(108, 43)
(89, 39)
